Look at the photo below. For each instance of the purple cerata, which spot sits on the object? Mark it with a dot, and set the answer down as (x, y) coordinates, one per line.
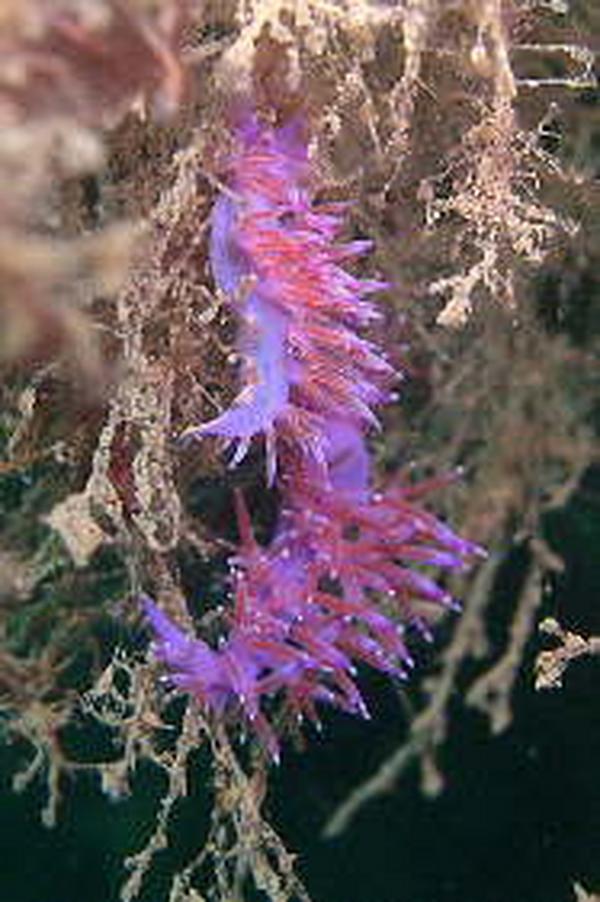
(307, 607)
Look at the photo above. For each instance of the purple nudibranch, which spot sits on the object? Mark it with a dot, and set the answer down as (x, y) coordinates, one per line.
(305, 607)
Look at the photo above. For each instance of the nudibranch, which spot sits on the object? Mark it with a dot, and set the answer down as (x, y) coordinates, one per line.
(306, 608)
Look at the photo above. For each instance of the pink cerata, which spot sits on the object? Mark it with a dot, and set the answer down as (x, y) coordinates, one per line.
(305, 607)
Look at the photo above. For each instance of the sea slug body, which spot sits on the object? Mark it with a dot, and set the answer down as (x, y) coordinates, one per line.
(305, 607)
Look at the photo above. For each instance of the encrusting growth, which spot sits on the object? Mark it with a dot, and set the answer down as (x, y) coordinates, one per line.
(305, 607)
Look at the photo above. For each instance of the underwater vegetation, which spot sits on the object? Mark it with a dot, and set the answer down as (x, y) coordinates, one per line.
(299, 416)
